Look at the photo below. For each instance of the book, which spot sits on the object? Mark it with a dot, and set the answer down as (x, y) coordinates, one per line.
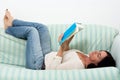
(72, 30)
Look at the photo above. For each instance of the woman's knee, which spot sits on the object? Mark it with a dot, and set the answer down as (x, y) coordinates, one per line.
(31, 29)
(41, 27)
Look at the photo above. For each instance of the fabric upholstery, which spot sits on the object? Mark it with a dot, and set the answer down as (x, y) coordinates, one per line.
(115, 50)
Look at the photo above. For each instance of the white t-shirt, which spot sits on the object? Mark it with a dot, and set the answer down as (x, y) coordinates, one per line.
(70, 60)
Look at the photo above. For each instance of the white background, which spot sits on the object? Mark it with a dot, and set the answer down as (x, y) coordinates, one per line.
(106, 12)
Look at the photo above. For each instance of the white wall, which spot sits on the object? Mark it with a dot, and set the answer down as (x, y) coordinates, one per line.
(64, 11)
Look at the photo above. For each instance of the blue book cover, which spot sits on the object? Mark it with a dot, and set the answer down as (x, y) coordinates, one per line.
(72, 30)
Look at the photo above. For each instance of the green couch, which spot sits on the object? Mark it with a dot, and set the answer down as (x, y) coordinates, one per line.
(93, 37)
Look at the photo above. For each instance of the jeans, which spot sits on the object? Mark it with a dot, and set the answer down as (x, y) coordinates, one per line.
(37, 38)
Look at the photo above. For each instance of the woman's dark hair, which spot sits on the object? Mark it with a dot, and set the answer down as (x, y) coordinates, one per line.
(106, 62)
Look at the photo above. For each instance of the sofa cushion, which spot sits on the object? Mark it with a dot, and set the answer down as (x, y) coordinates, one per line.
(12, 50)
(92, 37)
(10, 72)
(95, 37)
(115, 50)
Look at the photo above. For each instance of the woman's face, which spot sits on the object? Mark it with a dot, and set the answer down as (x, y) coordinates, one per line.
(97, 56)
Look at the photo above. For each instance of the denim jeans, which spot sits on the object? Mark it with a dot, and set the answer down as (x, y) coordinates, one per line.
(38, 41)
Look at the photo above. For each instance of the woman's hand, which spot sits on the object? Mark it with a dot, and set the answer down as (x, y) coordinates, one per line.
(65, 45)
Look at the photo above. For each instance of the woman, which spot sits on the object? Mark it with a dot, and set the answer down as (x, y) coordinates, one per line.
(38, 48)
(75, 59)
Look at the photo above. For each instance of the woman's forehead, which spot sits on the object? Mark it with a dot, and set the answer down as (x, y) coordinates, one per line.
(103, 53)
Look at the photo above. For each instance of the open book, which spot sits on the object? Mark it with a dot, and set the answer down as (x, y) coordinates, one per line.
(72, 30)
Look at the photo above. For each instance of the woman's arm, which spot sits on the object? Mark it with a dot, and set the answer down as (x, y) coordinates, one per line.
(60, 52)
(65, 45)
(54, 61)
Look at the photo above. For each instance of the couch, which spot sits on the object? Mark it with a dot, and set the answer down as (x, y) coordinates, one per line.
(93, 37)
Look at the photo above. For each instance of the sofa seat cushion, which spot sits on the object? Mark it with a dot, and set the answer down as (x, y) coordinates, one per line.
(11, 72)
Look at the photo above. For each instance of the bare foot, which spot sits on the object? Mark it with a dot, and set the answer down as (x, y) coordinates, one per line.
(8, 14)
(6, 22)
(8, 19)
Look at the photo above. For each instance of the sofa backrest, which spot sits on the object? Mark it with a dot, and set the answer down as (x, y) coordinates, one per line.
(93, 37)
(115, 50)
